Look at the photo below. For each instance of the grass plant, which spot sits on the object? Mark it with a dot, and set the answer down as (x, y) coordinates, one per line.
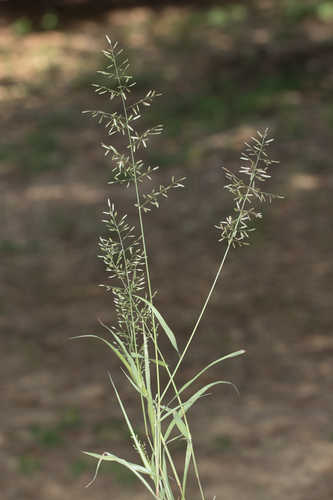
(134, 338)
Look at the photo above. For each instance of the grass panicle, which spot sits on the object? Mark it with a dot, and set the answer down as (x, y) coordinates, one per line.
(134, 336)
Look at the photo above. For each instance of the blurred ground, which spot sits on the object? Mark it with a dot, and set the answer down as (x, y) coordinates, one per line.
(224, 72)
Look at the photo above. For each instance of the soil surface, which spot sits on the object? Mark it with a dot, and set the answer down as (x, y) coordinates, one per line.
(224, 74)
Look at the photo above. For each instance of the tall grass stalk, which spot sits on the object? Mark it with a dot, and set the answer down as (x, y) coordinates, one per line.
(134, 336)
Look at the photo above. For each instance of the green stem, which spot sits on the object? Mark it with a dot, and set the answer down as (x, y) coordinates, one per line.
(219, 271)
(157, 430)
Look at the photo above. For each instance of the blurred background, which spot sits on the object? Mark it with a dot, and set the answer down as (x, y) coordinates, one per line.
(226, 69)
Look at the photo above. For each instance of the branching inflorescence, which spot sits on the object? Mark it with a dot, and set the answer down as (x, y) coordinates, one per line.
(134, 336)
(255, 165)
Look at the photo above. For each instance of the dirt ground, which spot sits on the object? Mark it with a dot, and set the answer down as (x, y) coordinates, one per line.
(224, 74)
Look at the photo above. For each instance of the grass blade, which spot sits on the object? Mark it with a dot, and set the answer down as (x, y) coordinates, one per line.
(219, 360)
(130, 428)
(162, 322)
(138, 470)
(112, 347)
(187, 463)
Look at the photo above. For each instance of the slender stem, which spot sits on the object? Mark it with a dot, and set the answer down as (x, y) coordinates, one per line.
(172, 465)
(157, 436)
(219, 271)
(212, 288)
(131, 325)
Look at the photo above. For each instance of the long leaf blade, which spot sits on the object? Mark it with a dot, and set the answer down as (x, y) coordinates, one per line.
(188, 456)
(112, 347)
(162, 322)
(130, 427)
(182, 409)
(138, 470)
(217, 361)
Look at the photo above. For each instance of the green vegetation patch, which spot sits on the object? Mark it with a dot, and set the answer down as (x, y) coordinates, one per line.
(111, 429)
(40, 149)
(49, 437)
(28, 464)
(53, 436)
(223, 442)
(226, 16)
